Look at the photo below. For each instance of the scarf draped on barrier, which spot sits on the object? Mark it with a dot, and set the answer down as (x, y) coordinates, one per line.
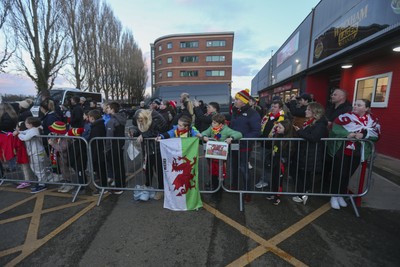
(180, 167)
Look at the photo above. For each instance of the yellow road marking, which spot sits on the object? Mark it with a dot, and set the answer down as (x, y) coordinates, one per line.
(32, 243)
(17, 204)
(27, 215)
(271, 244)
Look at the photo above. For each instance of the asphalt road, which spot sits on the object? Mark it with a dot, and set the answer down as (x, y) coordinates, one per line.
(46, 229)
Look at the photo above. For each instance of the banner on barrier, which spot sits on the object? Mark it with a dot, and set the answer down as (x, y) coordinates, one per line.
(180, 167)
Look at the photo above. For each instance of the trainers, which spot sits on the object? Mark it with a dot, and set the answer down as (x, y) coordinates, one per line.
(270, 197)
(38, 188)
(276, 201)
(23, 185)
(117, 192)
(66, 188)
(250, 166)
(299, 199)
(159, 195)
(334, 203)
(342, 202)
(261, 184)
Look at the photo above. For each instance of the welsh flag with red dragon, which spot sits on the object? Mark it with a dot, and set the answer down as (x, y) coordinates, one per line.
(180, 167)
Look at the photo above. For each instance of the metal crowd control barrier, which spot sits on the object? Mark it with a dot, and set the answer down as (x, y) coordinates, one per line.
(254, 168)
(140, 171)
(55, 160)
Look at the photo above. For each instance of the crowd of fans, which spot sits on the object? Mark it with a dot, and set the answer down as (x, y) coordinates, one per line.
(300, 117)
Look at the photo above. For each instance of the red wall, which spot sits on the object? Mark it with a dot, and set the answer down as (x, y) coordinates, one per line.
(317, 84)
(389, 144)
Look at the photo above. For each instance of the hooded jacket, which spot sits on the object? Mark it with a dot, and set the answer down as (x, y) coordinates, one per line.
(115, 127)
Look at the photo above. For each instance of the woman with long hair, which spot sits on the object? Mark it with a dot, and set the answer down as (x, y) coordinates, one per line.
(149, 124)
(312, 151)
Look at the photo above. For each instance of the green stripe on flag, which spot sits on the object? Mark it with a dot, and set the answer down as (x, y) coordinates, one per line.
(190, 148)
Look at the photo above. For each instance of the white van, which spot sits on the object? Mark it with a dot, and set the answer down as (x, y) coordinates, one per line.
(63, 95)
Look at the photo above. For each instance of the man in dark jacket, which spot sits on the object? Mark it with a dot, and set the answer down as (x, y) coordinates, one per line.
(339, 105)
(115, 127)
(76, 113)
(247, 121)
(98, 129)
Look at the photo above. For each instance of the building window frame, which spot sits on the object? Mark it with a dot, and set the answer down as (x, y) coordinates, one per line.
(190, 59)
(215, 43)
(169, 60)
(189, 73)
(377, 87)
(160, 48)
(189, 44)
(169, 74)
(215, 73)
(159, 61)
(169, 45)
(160, 74)
(215, 58)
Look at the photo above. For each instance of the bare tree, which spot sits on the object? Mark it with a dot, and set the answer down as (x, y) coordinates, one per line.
(89, 13)
(5, 55)
(40, 30)
(75, 19)
(133, 69)
(109, 35)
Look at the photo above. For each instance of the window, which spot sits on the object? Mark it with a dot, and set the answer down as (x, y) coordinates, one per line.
(160, 75)
(159, 47)
(169, 60)
(215, 73)
(375, 88)
(216, 43)
(160, 61)
(169, 74)
(189, 59)
(169, 45)
(190, 44)
(189, 73)
(215, 58)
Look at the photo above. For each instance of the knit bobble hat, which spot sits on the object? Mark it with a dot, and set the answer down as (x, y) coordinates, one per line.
(243, 95)
(75, 131)
(58, 127)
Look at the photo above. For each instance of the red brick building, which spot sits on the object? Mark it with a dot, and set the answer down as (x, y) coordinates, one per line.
(192, 59)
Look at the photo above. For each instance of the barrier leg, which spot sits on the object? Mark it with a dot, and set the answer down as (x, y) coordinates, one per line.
(241, 201)
(100, 196)
(76, 193)
(361, 184)
(354, 207)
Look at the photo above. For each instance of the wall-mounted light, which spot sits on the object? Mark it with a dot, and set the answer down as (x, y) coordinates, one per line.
(297, 61)
(347, 66)
(396, 48)
(272, 76)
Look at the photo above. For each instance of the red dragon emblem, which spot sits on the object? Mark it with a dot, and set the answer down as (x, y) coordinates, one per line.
(185, 177)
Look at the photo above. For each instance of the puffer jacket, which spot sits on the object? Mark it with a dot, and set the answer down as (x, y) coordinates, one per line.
(33, 144)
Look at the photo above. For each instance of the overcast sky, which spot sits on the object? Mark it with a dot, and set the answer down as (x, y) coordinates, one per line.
(260, 26)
